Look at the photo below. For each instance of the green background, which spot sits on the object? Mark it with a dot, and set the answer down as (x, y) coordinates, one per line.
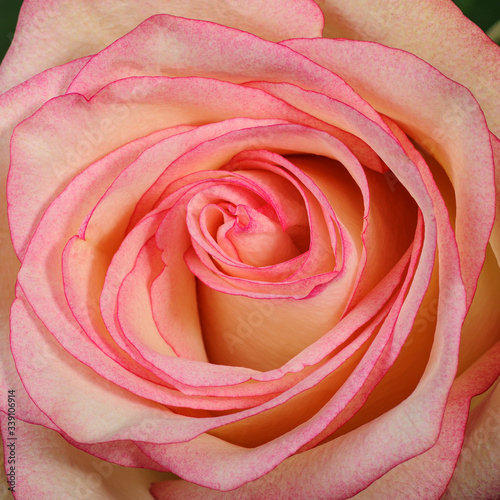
(483, 12)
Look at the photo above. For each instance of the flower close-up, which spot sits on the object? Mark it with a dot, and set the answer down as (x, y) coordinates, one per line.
(250, 250)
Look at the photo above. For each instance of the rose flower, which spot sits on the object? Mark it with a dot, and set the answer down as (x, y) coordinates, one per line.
(249, 250)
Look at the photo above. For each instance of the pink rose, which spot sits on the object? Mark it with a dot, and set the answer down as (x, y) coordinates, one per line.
(255, 258)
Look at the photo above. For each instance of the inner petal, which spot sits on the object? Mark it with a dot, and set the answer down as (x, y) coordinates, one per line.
(258, 239)
(251, 225)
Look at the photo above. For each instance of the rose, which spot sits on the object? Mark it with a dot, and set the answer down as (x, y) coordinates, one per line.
(47, 362)
(96, 480)
(112, 396)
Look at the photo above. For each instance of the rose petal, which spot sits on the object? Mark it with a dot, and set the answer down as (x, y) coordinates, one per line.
(15, 106)
(289, 210)
(450, 42)
(87, 178)
(480, 330)
(26, 409)
(133, 312)
(477, 472)
(218, 469)
(130, 414)
(449, 308)
(41, 453)
(476, 475)
(169, 46)
(495, 234)
(434, 381)
(89, 26)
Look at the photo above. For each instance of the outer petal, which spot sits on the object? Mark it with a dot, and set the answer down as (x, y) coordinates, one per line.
(434, 30)
(15, 106)
(49, 467)
(88, 26)
(495, 234)
(477, 474)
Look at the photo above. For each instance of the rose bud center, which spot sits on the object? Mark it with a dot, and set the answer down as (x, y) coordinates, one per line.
(253, 237)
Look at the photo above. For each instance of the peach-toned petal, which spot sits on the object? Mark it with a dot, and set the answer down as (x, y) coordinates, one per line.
(495, 233)
(15, 106)
(260, 456)
(88, 26)
(25, 408)
(118, 312)
(87, 407)
(388, 219)
(434, 30)
(76, 341)
(476, 475)
(67, 134)
(480, 330)
(477, 472)
(113, 271)
(263, 184)
(317, 422)
(42, 454)
(172, 254)
(69, 228)
(83, 264)
(133, 310)
(124, 453)
(25, 99)
(236, 465)
(195, 424)
(133, 343)
(216, 153)
(274, 194)
(182, 327)
(175, 47)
